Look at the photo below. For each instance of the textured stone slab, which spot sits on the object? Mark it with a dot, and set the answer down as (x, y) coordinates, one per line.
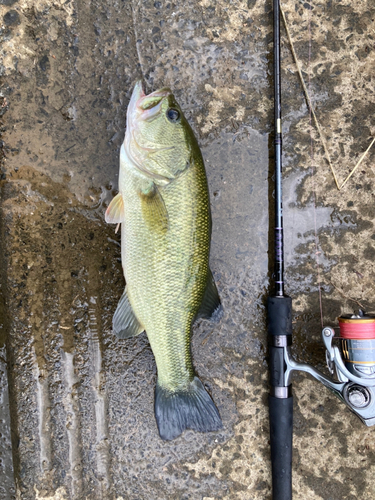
(81, 402)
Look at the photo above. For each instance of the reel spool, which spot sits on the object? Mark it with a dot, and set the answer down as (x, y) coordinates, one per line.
(357, 342)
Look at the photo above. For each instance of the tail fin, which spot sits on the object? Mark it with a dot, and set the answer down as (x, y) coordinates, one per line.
(192, 408)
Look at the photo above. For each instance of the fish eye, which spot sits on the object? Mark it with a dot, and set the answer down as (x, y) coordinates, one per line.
(173, 115)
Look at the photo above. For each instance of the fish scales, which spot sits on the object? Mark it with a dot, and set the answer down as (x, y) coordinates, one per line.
(163, 206)
(163, 263)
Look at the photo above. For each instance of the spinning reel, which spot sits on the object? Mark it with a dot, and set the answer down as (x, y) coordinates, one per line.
(351, 364)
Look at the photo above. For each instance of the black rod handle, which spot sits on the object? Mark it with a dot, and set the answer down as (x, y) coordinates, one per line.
(279, 310)
(281, 435)
(279, 316)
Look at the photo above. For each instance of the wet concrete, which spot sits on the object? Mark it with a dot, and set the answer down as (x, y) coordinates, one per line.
(81, 401)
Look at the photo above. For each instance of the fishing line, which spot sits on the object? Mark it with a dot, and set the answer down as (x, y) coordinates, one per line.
(313, 175)
(357, 328)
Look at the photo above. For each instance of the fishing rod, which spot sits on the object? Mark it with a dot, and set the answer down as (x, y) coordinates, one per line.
(350, 356)
(279, 309)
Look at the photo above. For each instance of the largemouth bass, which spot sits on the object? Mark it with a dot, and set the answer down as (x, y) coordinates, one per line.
(164, 211)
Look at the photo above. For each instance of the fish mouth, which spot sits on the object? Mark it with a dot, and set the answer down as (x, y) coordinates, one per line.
(143, 107)
(147, 107)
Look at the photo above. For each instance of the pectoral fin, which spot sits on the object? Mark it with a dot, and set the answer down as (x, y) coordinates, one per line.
(211, 307)
(115, 212)
(125, 323)
(154, 209)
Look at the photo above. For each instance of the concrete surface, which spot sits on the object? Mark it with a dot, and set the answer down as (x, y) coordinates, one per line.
(80, 401)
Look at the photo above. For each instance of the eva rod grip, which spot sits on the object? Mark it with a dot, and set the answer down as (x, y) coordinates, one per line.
(279, 310)
(281, 432)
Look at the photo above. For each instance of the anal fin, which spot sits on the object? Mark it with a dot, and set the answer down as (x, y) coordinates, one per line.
(211, 307)
(125, 323)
